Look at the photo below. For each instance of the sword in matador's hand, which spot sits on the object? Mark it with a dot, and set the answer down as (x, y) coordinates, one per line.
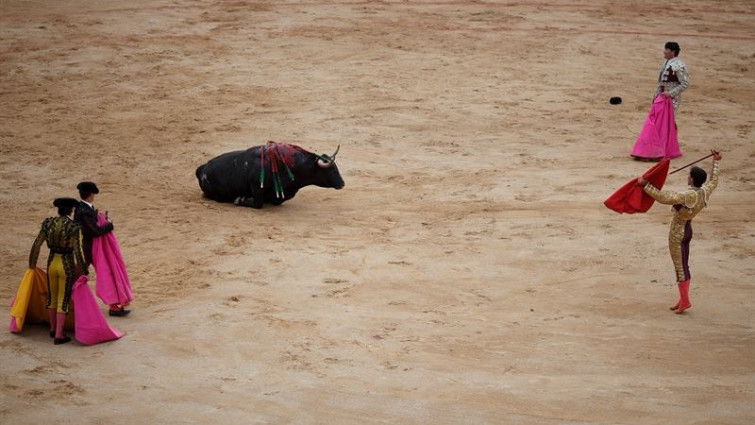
(713, 153)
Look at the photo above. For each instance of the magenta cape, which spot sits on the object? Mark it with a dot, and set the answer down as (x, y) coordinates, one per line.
(630, 198)
(90, 325)
(113, 285)
(87, 321)
(658, 138)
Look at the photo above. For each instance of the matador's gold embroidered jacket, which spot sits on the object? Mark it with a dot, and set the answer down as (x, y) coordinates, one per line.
(686, 206)
(63, 237)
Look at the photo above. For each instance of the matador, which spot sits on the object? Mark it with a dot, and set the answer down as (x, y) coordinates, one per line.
(673, 77)
(686, 205)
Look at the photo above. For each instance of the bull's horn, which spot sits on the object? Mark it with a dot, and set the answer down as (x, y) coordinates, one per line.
(324, 162)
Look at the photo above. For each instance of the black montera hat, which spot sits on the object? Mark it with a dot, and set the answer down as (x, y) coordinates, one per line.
(614, 100)
(88, 187)
(65, 202)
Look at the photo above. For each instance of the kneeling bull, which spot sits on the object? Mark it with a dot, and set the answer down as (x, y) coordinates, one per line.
(266, 174)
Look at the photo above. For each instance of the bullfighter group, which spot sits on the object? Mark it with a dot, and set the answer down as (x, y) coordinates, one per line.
(80, 236)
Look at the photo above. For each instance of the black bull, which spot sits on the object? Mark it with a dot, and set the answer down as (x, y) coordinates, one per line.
(266, 174)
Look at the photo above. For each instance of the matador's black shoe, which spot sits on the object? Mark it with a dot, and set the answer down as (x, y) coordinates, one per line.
(119, 313)
(63, 340)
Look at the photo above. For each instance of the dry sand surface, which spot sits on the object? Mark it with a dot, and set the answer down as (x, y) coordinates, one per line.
(468, 273)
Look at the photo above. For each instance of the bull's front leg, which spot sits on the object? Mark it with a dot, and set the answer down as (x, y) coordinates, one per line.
(254, 201)
(246, 202)
(288, 193)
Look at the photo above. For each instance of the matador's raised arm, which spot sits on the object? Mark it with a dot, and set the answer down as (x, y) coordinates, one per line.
(712, 182)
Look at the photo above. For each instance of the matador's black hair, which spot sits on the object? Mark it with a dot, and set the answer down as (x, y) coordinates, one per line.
(674, 47)
(698, 176)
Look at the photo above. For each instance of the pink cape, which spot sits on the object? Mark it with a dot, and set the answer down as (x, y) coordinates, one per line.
(90, 325)
(658, 138)
(630, 198)
(113, 285)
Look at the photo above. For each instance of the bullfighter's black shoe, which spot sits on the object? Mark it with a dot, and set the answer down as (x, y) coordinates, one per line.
(63, 340)
(119, 313)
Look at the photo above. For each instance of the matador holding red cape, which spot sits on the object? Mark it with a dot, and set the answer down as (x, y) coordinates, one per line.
(686, 205)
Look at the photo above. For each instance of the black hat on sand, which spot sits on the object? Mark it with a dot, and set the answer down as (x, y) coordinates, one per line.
(614, 100)
(88, 187)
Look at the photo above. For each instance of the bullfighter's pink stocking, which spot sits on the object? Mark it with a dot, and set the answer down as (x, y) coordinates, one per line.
(51, 318)
(684, 291)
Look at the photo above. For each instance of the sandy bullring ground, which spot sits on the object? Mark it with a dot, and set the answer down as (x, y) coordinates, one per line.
(468, 273)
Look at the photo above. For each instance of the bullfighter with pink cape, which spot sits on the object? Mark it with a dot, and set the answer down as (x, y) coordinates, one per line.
(87, 320)
(113, 286)
(658, 138)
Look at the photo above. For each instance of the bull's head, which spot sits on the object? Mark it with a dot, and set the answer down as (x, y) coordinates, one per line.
(328, 175)
(326, 161)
